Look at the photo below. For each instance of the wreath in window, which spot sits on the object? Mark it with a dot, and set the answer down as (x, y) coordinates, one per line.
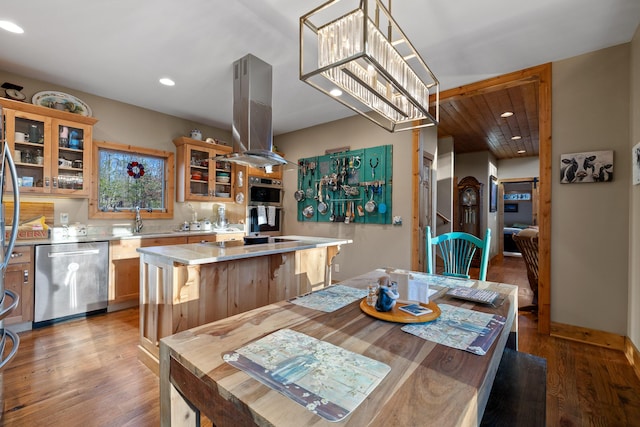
(135, 169)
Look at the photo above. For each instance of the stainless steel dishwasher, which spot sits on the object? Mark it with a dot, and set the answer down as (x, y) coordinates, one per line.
(71, 280)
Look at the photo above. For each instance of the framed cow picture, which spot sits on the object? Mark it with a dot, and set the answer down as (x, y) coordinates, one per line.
(590, 166)
(635, 167)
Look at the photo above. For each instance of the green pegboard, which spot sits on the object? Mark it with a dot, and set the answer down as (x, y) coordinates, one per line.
(355, 184)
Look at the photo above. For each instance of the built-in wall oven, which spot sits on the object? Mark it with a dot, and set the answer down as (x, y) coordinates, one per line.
(264, 214)
(265, 191)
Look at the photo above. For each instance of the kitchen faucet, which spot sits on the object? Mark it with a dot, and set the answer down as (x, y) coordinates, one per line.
(139, 225)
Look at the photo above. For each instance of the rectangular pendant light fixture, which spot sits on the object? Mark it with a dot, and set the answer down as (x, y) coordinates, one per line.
(355, 52)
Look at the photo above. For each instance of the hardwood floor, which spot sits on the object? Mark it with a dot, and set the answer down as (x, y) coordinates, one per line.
(86, 373)
(81, 373)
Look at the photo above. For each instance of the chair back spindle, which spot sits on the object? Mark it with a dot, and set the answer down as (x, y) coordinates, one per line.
(457, 250)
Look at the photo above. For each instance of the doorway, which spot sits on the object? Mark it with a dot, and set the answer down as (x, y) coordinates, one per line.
(520, 210)
(425, 206)
(541, 75)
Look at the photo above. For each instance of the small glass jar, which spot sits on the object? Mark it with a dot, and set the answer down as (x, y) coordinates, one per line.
(38, 157)
(372, 294)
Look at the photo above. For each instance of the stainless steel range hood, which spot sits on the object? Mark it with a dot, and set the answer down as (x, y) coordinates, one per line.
(252, 131)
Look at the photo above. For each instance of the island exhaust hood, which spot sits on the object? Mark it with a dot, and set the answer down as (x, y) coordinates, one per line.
(252, 131)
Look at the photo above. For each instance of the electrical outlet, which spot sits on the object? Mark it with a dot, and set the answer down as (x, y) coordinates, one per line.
(336, 268)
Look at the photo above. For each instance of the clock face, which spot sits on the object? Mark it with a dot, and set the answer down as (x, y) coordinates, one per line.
(469, 197)
(15, 94)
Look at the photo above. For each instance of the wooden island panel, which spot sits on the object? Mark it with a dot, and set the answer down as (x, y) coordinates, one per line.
(124, 267)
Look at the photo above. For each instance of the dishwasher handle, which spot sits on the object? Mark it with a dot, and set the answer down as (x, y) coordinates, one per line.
(73, 253)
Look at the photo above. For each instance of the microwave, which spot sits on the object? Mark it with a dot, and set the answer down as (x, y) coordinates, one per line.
(265, 191)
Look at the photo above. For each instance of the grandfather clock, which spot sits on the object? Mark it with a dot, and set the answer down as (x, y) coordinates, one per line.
(469, 206)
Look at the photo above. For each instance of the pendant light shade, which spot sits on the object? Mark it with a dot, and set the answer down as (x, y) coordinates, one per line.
(355, 52)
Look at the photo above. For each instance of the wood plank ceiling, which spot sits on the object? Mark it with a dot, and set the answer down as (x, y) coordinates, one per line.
(475, 123)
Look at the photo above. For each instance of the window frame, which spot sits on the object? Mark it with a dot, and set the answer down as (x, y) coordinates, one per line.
(169, 166)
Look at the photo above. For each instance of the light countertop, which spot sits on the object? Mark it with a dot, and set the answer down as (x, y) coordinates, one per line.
(109, 234)
(206, 253)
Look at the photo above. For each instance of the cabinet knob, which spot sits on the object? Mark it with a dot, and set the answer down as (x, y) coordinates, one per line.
(25, 276)
(16, 254)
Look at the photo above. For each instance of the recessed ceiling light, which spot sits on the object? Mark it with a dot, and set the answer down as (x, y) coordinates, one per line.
(335, 92)
(167, 81)
(506, 114)
(522, 151)
(516, 137)
(11, 27)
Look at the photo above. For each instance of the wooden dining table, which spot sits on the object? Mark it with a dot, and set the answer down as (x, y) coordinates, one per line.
(427, 384)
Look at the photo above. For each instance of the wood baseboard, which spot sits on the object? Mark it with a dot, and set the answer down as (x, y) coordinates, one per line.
(149, 360)
(633, 355)
(588, 336)
(599, 338)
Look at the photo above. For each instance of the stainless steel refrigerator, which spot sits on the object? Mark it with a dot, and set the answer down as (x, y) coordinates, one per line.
(8, 299)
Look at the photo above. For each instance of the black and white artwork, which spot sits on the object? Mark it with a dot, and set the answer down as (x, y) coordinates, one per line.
(592, 166)
(635, 158)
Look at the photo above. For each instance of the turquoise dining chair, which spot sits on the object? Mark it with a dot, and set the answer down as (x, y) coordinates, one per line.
(457, 250)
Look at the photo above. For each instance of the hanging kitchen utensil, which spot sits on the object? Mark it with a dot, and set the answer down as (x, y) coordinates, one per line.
(373, 167)
(322, 206)
(309, 192)
(347, 215)
(332, 218)
(370, 206)
(308, 211)
(382, 207)
(312, 170)
(299, 194)
(340, 216)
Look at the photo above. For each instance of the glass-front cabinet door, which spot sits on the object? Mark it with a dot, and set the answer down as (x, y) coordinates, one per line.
(70, 152)
(207, 178)
(51, 152)
(28, 133)
(199, 185)
(199, 177)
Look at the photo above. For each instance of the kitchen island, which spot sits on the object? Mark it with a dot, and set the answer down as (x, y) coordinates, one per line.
(183, 286)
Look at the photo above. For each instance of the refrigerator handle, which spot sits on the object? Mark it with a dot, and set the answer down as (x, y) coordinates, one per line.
(5, 311)
(16, 206)
(16, 343)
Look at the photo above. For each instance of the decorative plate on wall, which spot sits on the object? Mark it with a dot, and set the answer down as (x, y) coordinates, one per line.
(61, 101)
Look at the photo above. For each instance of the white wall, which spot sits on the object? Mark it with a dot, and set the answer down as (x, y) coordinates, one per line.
(633, 323)
(374, 245)
(522, 167)
(590, 222)
(124, 124)
(445, 184)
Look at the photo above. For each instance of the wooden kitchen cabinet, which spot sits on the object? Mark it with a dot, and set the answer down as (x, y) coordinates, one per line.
(19, 279)
(124, 267)
(53, 152)
(199, 177)
(208, 238)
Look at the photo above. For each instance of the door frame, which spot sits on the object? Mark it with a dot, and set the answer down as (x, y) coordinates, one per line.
(542, 75)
